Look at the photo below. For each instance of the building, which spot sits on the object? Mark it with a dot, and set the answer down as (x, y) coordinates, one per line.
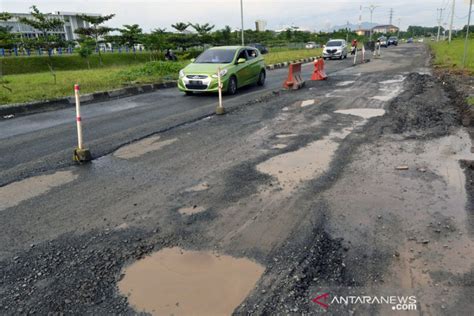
(261, 25)
(72, 22)
(362, 32)
(385, 29)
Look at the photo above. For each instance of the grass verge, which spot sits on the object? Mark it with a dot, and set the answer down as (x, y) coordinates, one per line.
(451, 55)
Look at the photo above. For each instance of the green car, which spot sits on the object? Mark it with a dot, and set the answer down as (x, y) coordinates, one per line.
(240, 66)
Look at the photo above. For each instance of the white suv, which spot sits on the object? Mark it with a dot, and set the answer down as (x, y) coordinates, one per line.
(336, 48)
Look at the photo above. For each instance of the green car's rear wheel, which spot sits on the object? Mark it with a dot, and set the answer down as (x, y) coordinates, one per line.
(261, 78)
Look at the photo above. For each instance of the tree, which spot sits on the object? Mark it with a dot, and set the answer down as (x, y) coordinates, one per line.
(45, 25)
(95, 31)
(203, 29)
(131, 35)
(155, 41)
(180, 26)
(86, 49)
(7, 39)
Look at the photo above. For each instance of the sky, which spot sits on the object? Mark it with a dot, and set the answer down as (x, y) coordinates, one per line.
(308, 14)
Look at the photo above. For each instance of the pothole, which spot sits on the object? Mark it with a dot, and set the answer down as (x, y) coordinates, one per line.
(364, 113)
(304, 164)
(286, 136)
(142, 147)
(174, 281)
(307, 103)
(198, 188)
(17, 192)
(344, 83)
(191, 210)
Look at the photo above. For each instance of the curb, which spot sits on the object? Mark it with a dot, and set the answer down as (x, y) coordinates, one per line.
(69, 102)
(286, 64)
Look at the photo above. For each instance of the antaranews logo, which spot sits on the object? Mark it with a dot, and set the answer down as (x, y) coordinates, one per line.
(398, 303)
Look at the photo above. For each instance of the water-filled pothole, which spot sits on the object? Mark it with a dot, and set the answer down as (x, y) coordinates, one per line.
(17, 192)
(174, 281)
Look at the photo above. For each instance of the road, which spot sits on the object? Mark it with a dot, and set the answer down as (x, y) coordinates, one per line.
(45, 141)
(351, 187)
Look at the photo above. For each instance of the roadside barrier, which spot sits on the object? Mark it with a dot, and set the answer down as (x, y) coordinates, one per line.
(378, 50)
(362, 56)
(294, 80)
(220, 108)
(319, 73)
(81, 154)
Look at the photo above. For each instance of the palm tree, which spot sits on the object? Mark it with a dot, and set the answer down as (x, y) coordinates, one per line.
(203, 29)
(180, 26)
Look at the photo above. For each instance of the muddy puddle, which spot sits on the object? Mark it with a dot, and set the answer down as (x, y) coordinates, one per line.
(312, 161)
(142, 147)
(17, 192)
(174, 281)
(191, 210)
(302, 165)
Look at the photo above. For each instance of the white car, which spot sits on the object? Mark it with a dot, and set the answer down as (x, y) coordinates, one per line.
(311, 45)
(336, 48)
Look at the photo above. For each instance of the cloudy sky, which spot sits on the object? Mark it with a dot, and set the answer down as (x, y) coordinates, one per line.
(310, 14)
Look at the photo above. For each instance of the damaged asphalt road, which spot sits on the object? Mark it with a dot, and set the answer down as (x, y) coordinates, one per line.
(361, 185)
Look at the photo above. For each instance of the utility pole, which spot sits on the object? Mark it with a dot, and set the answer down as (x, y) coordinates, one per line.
(360, 17)
(452, 21)
(347, 29)
(440, 19)
(371, 8)
(399, 24)
(391, 17)
(466, 42)
(242, 20)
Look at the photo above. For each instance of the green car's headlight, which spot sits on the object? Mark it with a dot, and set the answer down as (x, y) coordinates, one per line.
(181, 73)
(222, 73)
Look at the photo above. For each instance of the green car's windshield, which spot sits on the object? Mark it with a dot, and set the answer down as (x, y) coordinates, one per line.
(216, 56)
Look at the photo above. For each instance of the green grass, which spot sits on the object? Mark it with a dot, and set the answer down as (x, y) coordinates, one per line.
(36, 64)
(40, 86)
(451, 55)
(470, 101)
(117, 72)
(283, 56)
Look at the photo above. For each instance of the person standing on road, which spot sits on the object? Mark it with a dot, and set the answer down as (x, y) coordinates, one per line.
(354, 47)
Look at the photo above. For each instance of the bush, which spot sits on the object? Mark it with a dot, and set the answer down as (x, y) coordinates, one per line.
(150, 71)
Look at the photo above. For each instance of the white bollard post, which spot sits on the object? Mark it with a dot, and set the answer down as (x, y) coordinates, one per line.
(220, 108)
(363, 53)
(80, 144)
(355, 57)
(80, 153)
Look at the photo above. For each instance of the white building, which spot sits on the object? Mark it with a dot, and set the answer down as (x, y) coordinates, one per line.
(261, 25)
(71, 20)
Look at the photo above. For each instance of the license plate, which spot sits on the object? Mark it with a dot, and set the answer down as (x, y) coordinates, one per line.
(195, 82)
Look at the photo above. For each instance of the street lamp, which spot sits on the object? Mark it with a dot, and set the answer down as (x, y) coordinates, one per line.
(371, 8)
(242, 20)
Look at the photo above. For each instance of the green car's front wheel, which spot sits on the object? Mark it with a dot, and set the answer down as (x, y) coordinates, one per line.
(232, 86)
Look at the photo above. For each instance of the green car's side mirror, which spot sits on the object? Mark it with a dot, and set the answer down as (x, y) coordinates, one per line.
(193, 60)
(241, 61)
